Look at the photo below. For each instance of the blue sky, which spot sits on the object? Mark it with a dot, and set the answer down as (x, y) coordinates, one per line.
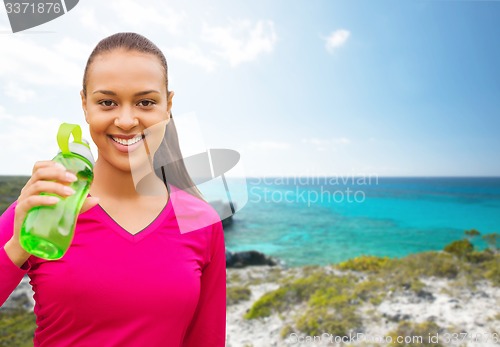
(387, 88)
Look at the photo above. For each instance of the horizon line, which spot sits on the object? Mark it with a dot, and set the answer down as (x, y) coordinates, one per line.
(333, 175)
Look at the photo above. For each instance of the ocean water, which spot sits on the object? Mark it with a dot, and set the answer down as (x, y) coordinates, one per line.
(311, 220)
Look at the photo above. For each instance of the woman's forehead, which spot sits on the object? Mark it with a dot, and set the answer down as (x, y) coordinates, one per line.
(121, 69)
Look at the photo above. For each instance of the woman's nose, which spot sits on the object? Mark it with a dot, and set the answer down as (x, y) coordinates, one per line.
(126, 119)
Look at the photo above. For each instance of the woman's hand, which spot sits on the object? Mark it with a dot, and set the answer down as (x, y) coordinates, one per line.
(47, 177)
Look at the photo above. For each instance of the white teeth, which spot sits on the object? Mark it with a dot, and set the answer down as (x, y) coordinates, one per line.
(128, 142)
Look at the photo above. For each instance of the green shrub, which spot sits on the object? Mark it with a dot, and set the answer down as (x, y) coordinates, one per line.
(492, 270)
(472, 233)
(479, 257)
(274, 301)
(493, 241)
(329, 297)
(427, 264)
(286, 296)
(17, 328)
(318, 320)
(333, 292)
(415, 334)
(371, 290)
(10, 188)
(286, 331)
(364, 263)
(459, 248)
(321, 287)
(237, 294)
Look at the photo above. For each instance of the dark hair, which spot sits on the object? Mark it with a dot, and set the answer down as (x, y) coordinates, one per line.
(129, 41)
(169, 163)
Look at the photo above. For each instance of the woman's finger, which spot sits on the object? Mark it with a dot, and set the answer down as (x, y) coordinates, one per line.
(49, 187)
(28, 203)
(53, 173)
(44, 163)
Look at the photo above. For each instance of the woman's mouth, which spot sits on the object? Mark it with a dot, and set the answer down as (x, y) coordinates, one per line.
(127, 144)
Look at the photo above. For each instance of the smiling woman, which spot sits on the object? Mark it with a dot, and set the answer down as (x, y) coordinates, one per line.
(119, 107)
(131, 276)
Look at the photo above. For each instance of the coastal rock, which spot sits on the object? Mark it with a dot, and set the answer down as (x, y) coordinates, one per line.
(21, 297)
(480, 294)
(246, 258)
(227, 221)
(223, 209)
(428, 296)
(397, 317)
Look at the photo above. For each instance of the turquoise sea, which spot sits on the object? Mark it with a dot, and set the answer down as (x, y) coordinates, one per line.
(312, 220)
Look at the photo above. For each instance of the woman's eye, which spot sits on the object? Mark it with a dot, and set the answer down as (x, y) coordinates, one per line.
(107, 103)
(146, 103)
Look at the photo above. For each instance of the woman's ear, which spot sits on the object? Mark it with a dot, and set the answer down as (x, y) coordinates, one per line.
(170, 96)
(84, 105)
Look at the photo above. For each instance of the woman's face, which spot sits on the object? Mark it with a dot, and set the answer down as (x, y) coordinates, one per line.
(126, 106)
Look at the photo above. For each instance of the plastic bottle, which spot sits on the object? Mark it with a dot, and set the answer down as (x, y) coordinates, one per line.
(47, 231)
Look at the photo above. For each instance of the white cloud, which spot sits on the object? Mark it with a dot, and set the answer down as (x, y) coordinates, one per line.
(242, 40)
(89, 20)
(193, 55)
(325, 144)
(20, 94)
(336, 39)
(342, 141)
(28, 139)
(33, 63)
(128, 15)
(73, 49)
(268, 145)
(236, 42)
(135, 13)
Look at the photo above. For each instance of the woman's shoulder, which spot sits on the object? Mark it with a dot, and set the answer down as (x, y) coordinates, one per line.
(191, 212)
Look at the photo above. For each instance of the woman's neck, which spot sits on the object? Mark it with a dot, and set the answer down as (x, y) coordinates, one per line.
(110, 182)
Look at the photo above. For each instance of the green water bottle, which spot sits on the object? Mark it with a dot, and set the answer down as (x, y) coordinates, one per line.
(47, 231)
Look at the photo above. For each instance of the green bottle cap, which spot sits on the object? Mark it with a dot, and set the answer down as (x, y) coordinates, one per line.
(78, 146)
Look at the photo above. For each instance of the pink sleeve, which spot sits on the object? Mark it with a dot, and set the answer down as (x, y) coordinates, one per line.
(10, 274)
(208, 326)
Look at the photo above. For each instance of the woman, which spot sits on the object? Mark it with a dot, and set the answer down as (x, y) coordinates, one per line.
(137, 273)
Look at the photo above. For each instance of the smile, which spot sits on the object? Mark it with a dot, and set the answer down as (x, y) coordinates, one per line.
(127, 142)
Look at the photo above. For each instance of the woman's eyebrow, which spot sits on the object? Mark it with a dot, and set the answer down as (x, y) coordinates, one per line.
(110, 92)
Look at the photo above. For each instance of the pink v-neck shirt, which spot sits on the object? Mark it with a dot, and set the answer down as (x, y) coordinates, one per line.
(158, 288)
